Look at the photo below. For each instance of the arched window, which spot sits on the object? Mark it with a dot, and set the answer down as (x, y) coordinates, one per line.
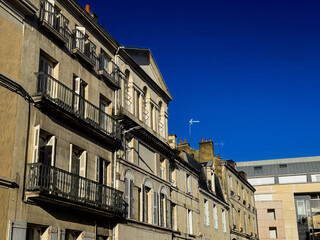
(160, 122)
(128, 193)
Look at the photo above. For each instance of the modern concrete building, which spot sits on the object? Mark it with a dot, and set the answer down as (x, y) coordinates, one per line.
(237, 191)
(287, 197)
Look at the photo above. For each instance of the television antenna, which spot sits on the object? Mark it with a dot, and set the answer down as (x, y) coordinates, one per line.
(190, 124)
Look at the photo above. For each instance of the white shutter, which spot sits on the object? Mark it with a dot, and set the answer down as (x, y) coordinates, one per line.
(51, 233)
(62, 234)
(83, 164)
(76, 83)
(126, 195)
(18, 230)
(97, 168)
(142, 203)
(52, 143)
(188, 224)
(131, 198)
(70, 158)
(35, 156)
(155, 208)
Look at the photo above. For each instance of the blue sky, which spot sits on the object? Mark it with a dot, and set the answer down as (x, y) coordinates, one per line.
(247, 70)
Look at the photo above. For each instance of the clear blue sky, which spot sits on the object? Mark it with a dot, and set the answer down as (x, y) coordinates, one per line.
(249, 71)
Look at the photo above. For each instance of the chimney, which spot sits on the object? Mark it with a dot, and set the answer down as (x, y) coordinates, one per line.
(185, 140)
(202, 140)
(92, 14)
(206, 151)
(180, 141)
(243, 175)
(231, 163)
(88, 8)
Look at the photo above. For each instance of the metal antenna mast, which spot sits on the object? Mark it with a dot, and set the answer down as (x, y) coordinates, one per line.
(190, 123)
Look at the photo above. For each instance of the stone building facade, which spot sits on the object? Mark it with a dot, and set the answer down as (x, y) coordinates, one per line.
(237, 191)
(287, 197)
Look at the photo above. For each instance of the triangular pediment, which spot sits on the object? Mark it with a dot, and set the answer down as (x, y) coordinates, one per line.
(145, 60)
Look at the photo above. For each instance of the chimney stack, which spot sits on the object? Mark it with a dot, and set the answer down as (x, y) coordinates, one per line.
(185, 140)
(88, 8)
(243, 175)
(206, 151)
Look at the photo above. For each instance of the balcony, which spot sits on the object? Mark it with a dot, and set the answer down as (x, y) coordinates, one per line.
(54, 22)
(83, 48)
(45, 182)
(108, 70)
(72, 105)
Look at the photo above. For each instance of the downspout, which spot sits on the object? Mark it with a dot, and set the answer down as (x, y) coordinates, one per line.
(115, 152)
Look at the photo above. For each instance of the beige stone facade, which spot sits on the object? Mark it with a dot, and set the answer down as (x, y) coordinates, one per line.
(237, 191)
(290, 188)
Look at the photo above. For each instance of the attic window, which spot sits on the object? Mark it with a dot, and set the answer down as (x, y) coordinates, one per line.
(283, 165)
(257, 168)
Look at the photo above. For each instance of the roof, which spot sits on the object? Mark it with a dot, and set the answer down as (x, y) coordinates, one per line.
(278, 167)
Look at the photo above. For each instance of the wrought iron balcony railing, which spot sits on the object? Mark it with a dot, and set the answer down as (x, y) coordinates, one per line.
(82, 46)
(70, 101)
(55, 182)
(108, 68)
(54, 20)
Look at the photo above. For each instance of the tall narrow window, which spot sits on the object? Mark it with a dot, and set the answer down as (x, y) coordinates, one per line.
(128, 193)
(105, 122)
(224, 221)
(188, 184)
(147, 202)
(206, 212)
(102, 170)
(163, 208)
(79, 87)
(162, 167)
(173, 216)
(215, 216)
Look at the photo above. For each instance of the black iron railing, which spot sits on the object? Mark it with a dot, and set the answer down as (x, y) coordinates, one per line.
(84, 45)
(55, 19)
(75, 104)
(53, 181)
(107, 65)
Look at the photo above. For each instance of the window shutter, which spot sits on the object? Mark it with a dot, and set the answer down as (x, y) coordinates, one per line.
(126, 196)
(76, 86)
(83, 164)
(188, 224)
(52, 142)
(62, 234)
(18, 230)
(142, 203)
(191, 227)
(190, 180)
(97, 168)
(81, 29)
(131, 199)
(155, 208)
(70, 158)
(168, 213)
(35, 156)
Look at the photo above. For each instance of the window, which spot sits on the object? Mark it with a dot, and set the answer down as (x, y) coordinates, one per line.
(148, 204)
(78, 161)
(188, 184)
(163, 208)
(162, 167)
(35, 232)
(106, 109)
(137, 107)
(128, 193)
(273, 232)
(44, 147)
(129, 143)
(173, 216)
(189, 222)
(224, 221)
(230, 185)
(172, 175)
(80, 88)
(46, 66)
(282, 165)
(215, 216)
(102, 167)
(271, 214)
(257, 168)
(206, 212)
